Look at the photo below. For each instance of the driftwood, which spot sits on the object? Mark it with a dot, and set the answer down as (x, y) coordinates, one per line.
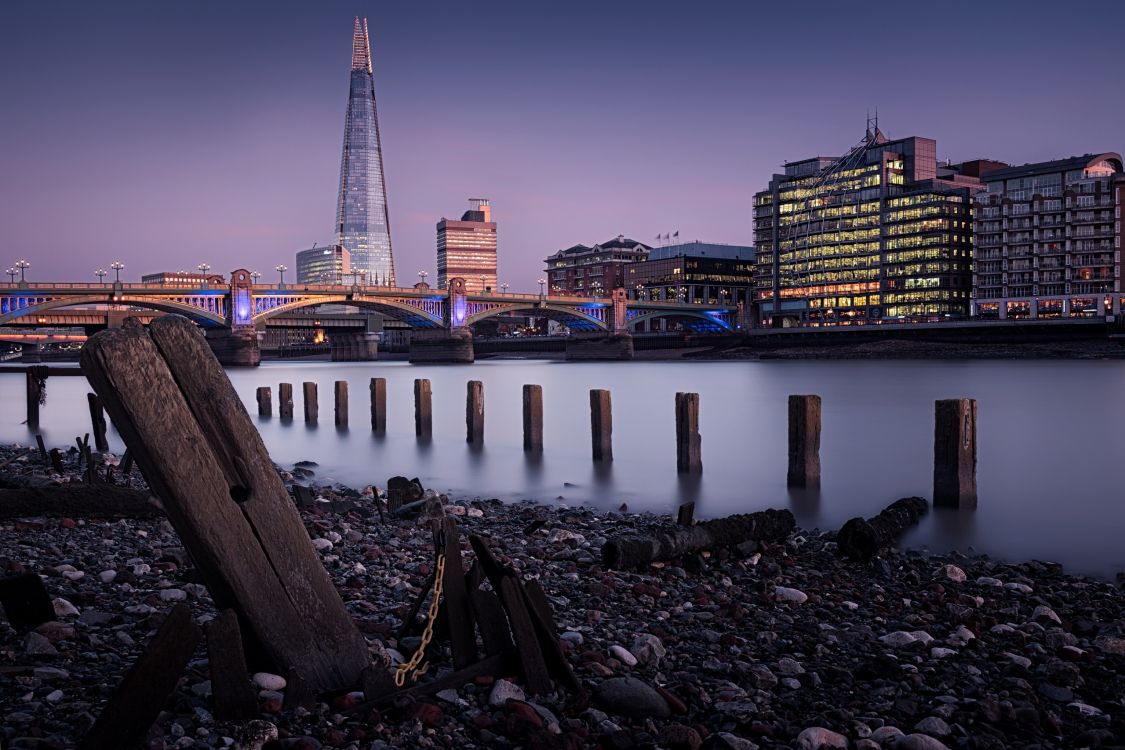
(78, 501)
(862, 539)
(665, 543)
(202, 456)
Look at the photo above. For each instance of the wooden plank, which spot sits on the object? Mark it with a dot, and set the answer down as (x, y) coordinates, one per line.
(97, 422)
(25, 600)
(137, 701)
(539, 607)
(78, 501)
(165, 390)
(462, 638)
(41, 446)
(377, 682)
(409, 622)
(232, 695)
(303, 496)
(527, 640)
(686, 514)
(56, 460)
(491, 622)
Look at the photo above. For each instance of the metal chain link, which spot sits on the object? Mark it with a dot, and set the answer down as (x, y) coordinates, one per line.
(411, 666)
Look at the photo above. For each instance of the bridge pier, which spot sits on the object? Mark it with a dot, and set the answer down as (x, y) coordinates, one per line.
(354, 347)
(599, 346)
(452, 346)
(235, 347)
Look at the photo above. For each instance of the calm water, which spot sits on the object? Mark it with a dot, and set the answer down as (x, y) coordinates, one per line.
(1049, 444)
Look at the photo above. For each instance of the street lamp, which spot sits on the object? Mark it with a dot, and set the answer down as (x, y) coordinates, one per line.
(481, 284)
(117, 266)
(100, 273)
(11, 271)
(281, 269)
(255, 275)
(204, 267)
(541, 282)
(422, 275)
(22, 265)
(504, 287)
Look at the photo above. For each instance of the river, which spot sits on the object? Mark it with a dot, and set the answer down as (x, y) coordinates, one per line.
(1049, 441)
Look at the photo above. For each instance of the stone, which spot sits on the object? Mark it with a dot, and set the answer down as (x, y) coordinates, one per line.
(622, 655)
(989, 581)
(819, 738)
(39, 645)
(254, 734)
(107, 576)
(727, 741)
(886, 735)
(919, 742)
(1043, 612)
(933, 726)
(173, 595)
(679, 737)
(630, 697)
(789, 595)
(898, 639)
(503, 691)
(321, 545)
(1109, 645)
(268, 681)
(648, 649)
(63, 608)
(951, 573)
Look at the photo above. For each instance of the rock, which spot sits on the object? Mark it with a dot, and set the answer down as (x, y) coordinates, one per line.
(1045, 613)
(919, 742)
(679, 737)
(790, 667)
(937, 652)
(898, 639)
(933, 726)
(503, 691)
(951, 573)
(1109, 645)
(63, 608)
(622, 655)
(816, 738)
(573, 637)
(268, 681)
(648, 649)
(790, 596)
(989, 581)
(428, 714)
(630, 697)
(886, 735)
(727, 741)
(254, 734)
(39, 645)
(173, 595)
(321, 544)
(107, 576)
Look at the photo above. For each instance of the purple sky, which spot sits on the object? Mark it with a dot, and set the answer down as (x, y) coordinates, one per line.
(168, 134)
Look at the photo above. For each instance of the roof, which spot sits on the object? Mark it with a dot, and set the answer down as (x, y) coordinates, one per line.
(1046, 167)
(623, 242)
(699, 249)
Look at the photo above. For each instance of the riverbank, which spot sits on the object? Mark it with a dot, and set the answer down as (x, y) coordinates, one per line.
(903, 349)
(776, 646)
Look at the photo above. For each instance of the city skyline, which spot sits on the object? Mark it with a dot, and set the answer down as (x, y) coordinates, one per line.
(228, 163)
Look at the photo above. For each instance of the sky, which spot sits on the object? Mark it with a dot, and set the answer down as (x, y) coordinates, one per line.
(168, 134)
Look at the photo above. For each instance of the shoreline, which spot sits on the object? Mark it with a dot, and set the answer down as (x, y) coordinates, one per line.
(769, 645)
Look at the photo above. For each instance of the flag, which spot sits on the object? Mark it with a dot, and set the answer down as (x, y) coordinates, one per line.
(677, 234)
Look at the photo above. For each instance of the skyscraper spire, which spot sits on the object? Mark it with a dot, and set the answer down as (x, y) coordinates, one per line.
(362, 221)
(361, 46)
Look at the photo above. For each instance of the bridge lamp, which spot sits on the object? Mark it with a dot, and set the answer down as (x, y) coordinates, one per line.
(422, 275)
(117, 266)
(541, 283)
(504, 287)
(100, 273)
(23, 265)
(281, 269)
(255, 275)
(11, 271)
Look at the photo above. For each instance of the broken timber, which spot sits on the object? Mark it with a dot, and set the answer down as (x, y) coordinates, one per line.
(165, 391)
(78, 501)
(862, 539)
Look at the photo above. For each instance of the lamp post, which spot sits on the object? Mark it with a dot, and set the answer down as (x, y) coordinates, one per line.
(117, 266)
(640, 288)
(541, 283)
(504, 288)
(23, 265)
(482, 290)
(422, 275)
(281, 268)
(100, 273)
(203, 269)
(11, 271)
(255, 275)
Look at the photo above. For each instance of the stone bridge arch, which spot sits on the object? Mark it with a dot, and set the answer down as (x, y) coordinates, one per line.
(414, 315)
(197, 314)
(563, 314)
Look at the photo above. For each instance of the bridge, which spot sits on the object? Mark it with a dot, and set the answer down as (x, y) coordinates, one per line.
(441, 319)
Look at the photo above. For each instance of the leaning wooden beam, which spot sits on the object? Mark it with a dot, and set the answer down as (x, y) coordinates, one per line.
(78, 501)
(862, 539)
(463, 642)
(164, 390)
(635, 550)
(137, 701)
(230, 681)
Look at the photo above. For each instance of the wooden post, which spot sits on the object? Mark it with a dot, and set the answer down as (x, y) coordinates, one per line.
(341, 393)
(474, 413)
(423, 408)
(459, 617)
(533, 418)
(164, 390)
(230, 683)
(689, 454)
(265, 401)
(955, 452)
(686, 514)
(312, 405)
(804, 441)
(601, 424)
(34, 394)
(285, 400)
(97, 422)
(379, 404)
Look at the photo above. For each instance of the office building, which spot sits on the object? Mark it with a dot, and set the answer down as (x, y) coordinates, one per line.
(183, 278)
(330, 264)
(467, 248)
(593, 271)
(694, 272)
(362, 222)
(1048, 239)
(883, 232)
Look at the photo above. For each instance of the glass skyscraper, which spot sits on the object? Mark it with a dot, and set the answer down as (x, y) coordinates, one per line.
(362, 224)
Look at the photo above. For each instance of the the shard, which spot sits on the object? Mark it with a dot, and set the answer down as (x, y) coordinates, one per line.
(362, 223)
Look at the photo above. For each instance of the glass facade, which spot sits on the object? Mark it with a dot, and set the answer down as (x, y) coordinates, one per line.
(323, 265)
(362, 222)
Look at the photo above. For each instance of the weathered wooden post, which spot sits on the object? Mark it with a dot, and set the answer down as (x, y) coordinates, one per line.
(312, 405)
(341, 394)
(423, 408)
(35, 384)
(689, 454)
(474, 413)
(164, 389)
(533, 418)
(601, 424)
(955, 452)
(265, 401)
(379, 404)
(804, 441)
(97, 422)
(285, 400)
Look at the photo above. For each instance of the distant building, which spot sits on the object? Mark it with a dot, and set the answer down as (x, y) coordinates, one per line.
(881, 232)
(1048, 239)
(183, 278)
(593, 271)
(467, 248)
(694, 272)
(329, 264)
